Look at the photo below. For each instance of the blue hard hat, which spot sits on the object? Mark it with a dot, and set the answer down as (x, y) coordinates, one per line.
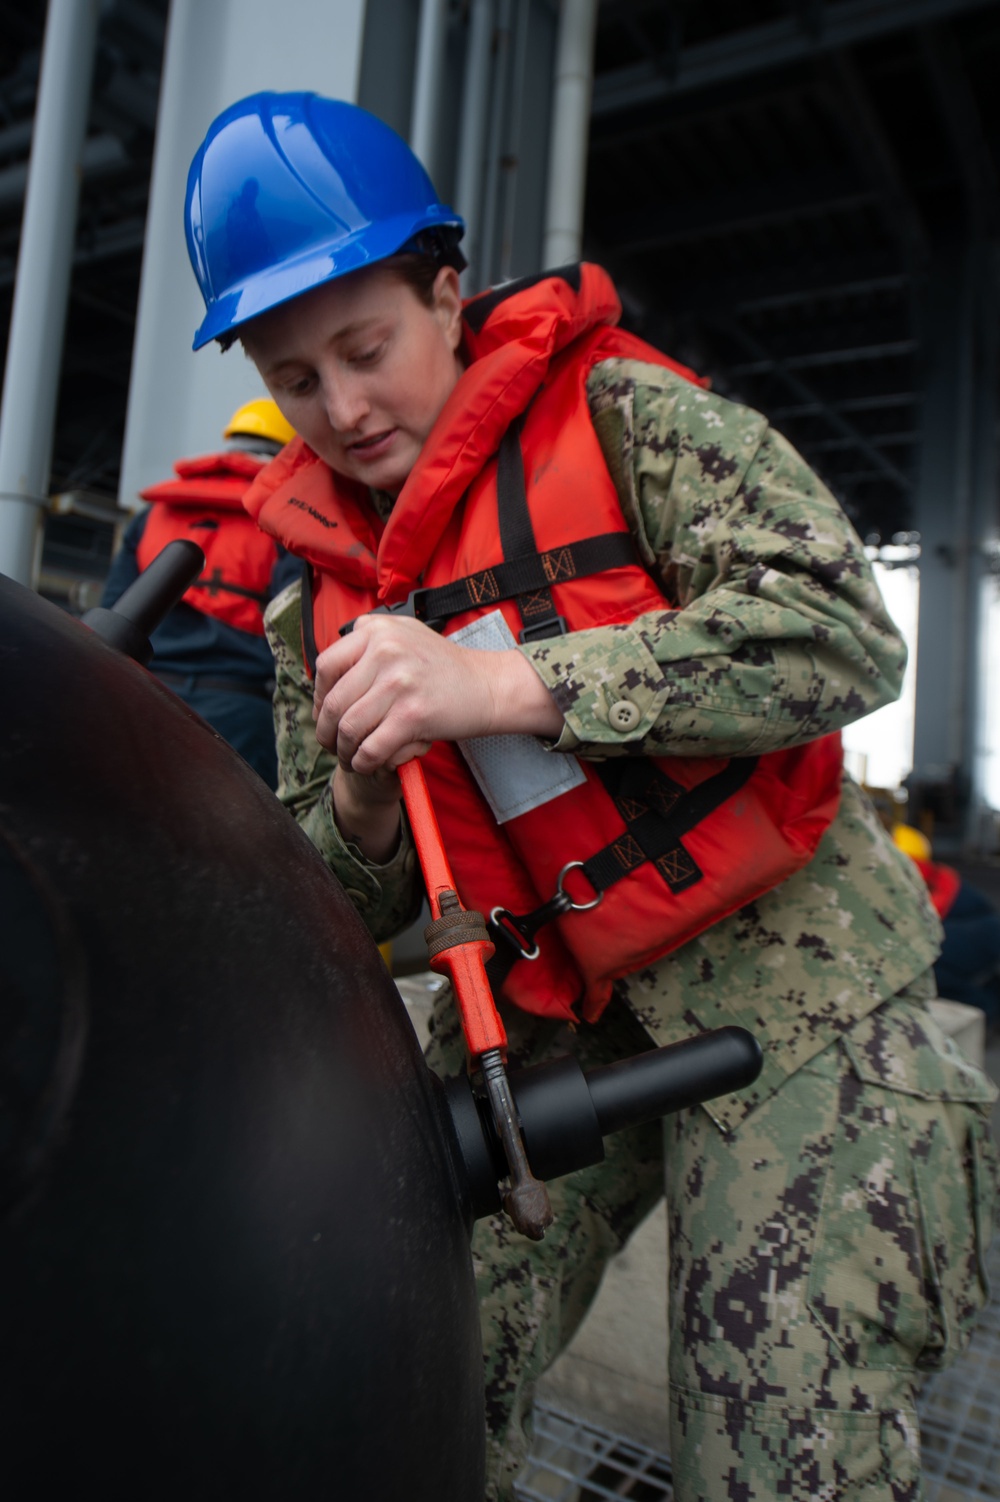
(288, 191)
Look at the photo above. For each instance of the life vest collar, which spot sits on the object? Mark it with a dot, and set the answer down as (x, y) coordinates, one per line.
(215, 480)
(334, 524)
(510, 350)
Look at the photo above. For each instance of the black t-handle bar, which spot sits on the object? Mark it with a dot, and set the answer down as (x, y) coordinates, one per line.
(565, 1114)
(649, 1085)
(136, 614)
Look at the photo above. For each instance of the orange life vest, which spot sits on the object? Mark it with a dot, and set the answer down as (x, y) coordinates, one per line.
(205, 504)
(943, 884)
(659, 848)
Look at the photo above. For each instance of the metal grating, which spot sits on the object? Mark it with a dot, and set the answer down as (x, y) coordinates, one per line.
(573, 1460)
(960, 1412)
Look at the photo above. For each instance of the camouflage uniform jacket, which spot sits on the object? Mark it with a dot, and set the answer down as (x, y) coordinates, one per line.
(783, 636)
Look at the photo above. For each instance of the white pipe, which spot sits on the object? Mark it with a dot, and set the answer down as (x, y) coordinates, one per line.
(573, 83)
(41, 291)
(428, 82)
(472, 137)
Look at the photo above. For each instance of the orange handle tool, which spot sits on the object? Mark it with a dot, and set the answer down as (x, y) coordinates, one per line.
(465, 962)
(458, 944)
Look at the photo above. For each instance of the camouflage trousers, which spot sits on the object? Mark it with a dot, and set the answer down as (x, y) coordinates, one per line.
(823, 1258)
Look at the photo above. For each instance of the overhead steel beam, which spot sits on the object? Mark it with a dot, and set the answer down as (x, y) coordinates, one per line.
(795, 283)
(838, 339)
(796, 196)
(810, 14)
(617, 132)
(806, 393)
(106, 308)
(772, 45)
(876, 158)
(117, 240)
(956, 102)
(878, 440)
(823, 289)
(878, 402)
(820, 359)
(103, 153)
(859, 476)
(816, 408)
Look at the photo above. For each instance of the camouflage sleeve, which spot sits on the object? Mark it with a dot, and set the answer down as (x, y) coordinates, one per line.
(783, 635)
(387, 897)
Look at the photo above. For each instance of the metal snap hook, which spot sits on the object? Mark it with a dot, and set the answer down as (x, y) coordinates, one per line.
(575, 907)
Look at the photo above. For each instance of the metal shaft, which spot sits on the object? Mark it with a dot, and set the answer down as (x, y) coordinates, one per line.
(526, 1200)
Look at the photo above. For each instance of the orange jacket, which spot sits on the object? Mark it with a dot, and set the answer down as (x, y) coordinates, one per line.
(943, 884)
(671, 844)
(205, 504)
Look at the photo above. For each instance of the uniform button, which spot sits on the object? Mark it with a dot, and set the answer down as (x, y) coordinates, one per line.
(624, 715)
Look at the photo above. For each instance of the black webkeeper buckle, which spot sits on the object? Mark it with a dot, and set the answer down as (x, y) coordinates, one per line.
(553, 625)
(414, 604)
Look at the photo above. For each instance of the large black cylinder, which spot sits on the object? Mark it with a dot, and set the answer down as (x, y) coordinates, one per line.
(232, 1258)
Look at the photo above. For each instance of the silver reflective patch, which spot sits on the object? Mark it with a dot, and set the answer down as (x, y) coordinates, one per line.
(514, 772)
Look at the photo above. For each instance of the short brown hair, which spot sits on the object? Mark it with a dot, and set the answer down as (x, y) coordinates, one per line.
(419, 272)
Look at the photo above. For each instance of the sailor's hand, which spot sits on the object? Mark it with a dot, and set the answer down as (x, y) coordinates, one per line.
(390, 688)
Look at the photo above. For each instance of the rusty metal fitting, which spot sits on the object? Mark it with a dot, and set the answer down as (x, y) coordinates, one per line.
(452, 929)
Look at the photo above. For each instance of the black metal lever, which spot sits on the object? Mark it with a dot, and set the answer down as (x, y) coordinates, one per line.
(130, 621)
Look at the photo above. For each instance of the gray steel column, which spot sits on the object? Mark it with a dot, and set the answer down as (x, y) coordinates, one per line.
(516, 158)
(984, 524)
(472, 142)
(941, 750)
(217, 51)
(574, 74)
(428, 82)
(489, 256)
(38, 319)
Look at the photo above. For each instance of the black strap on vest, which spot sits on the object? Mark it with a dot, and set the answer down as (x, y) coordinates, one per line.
(215, 584)
(657, 811)
(539, 617)
(519, 577)
(525, 575)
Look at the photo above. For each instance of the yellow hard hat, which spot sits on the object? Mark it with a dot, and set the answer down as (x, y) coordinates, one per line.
(260, 419)
(912, 843)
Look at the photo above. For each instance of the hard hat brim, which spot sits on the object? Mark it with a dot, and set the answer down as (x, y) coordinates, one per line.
(269, 289)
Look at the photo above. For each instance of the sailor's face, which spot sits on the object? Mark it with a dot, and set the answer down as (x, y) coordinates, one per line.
(361, 367)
